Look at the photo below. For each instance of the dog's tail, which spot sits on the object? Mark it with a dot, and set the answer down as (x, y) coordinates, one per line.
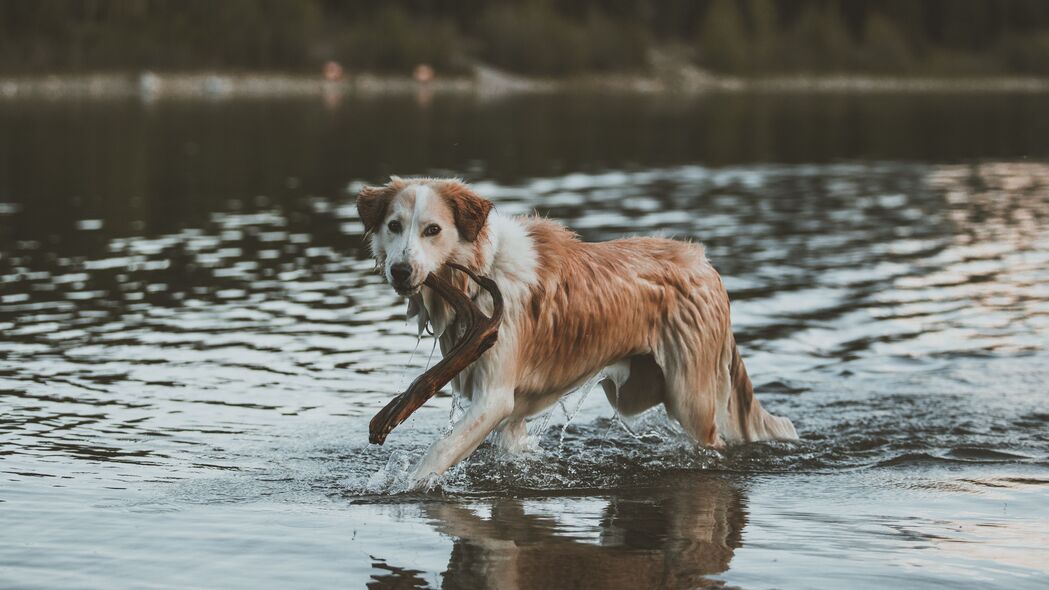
(754, 422)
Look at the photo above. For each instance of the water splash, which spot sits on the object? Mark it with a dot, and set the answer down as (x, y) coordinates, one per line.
(392, 478)
(584, 392)
(456, 411)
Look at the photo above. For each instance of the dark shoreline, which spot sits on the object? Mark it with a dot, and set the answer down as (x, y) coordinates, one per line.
(485, 81)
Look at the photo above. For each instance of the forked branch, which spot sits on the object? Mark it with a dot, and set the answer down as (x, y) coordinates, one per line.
(481, 333)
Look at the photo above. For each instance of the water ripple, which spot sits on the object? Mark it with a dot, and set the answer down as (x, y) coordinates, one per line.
(885, 307)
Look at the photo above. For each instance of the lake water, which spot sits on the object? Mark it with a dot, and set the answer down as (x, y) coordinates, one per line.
(192, 342)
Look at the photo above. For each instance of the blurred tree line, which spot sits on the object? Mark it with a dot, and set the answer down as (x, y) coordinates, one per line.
(540, 37)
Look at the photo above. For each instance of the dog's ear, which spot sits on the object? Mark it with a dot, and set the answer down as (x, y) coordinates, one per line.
(372, 202)
(470, 209)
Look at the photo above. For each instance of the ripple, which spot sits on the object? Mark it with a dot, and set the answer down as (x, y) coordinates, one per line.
(985, 454)
(874, 305)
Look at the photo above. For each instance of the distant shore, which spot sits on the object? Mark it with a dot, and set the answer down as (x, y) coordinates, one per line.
(483, 81)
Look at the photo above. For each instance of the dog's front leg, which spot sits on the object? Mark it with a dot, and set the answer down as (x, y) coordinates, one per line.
(487, 411)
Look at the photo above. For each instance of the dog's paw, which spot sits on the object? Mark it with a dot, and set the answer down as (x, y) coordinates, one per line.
(423, 483)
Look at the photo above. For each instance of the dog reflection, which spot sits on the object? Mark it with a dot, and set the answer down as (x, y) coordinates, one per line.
(667, 538)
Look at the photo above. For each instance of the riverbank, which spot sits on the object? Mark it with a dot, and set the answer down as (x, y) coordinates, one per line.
(485, 81)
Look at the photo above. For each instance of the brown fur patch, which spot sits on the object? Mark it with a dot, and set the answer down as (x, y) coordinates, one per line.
(372, 202)
(595, 303)
(470, 209)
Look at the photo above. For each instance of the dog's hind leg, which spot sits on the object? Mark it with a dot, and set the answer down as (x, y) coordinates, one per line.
(710, 395)
(691, 395)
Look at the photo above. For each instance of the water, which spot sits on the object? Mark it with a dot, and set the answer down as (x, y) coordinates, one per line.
(192, 343)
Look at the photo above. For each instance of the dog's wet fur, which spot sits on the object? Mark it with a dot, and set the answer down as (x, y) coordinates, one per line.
(650, 314)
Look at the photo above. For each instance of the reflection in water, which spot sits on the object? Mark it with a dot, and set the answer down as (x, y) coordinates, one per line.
(661, 538)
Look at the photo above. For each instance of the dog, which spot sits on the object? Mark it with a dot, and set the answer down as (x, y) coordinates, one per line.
(651, 315)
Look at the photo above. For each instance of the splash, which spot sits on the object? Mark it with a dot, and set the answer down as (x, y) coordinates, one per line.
(584, 392)
(456, 411)
(394, 477)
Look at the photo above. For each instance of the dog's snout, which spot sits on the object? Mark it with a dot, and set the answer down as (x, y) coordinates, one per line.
(401, 273)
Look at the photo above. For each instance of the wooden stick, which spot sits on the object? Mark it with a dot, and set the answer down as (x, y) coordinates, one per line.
(481, 334)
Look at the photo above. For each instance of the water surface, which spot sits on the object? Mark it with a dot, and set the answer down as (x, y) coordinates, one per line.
(192, 341)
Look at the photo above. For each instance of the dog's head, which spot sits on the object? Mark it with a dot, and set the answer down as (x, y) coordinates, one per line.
(417, 225)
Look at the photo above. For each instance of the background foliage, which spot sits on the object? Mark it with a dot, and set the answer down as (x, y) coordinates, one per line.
(540, 37)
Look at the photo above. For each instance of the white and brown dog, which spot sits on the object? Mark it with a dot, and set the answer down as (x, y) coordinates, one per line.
(650, 314)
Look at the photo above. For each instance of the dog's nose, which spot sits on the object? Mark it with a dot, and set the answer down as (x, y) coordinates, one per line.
(400, 273)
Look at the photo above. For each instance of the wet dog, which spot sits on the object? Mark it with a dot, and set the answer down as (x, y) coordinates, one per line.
(650, 315)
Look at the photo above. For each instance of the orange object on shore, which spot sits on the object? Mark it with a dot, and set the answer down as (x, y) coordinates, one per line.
(332, 71)
(423, 73)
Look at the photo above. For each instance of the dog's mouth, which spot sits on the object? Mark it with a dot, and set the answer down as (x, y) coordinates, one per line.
(407, 290)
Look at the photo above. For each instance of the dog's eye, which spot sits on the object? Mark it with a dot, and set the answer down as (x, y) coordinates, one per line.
(432, 230)
(394, 226)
